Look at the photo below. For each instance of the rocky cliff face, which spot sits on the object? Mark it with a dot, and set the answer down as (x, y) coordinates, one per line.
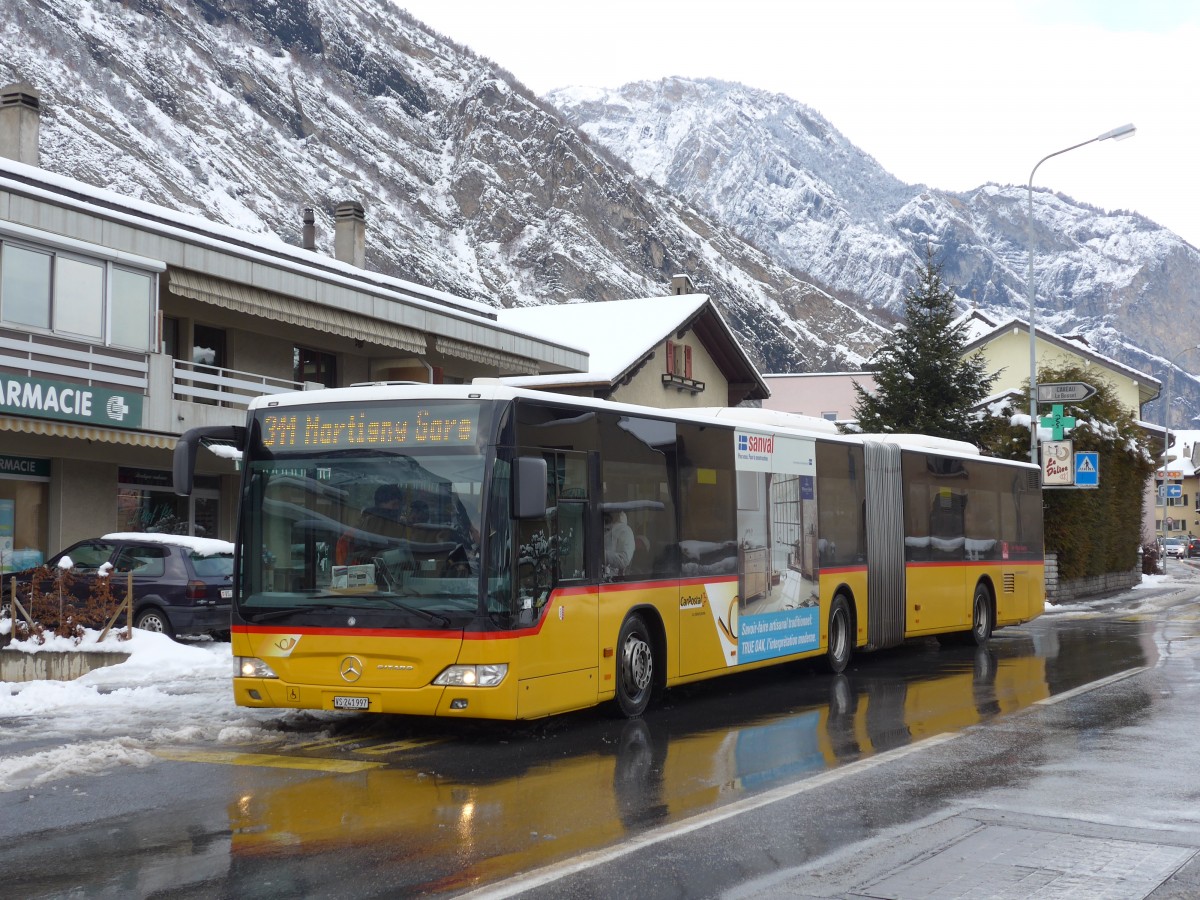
(247, 112)
(784, 178)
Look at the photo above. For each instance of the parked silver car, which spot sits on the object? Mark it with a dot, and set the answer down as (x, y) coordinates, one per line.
(1175, 547)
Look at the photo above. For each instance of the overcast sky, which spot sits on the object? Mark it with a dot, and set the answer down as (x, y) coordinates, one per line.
(948, 93)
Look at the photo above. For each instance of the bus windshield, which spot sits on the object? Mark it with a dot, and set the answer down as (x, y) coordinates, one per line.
(334, 524)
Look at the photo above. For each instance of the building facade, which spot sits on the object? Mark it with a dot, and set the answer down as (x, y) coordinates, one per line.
(123, 324)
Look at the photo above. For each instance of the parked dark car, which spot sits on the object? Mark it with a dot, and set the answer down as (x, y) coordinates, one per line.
(1193, 549)
(181, 585)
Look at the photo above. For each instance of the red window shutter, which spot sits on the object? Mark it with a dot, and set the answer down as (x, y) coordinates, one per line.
(687, 361)
(670, 357)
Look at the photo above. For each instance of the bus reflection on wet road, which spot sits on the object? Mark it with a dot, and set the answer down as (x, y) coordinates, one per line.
(451, 807)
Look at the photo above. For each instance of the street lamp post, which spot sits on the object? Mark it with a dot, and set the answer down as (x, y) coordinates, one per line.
(1117, 134)
(1167, 444)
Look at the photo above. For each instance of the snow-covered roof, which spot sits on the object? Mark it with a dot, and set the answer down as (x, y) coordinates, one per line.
(616, 333)
(257, 247)
(980, 327)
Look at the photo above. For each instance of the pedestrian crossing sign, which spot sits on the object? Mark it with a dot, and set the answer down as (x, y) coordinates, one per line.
(1087, 468)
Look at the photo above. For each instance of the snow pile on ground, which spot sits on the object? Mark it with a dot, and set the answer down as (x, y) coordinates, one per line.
(166, 693)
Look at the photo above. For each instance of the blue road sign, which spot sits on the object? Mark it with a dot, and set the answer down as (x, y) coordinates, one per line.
(1174, 491)
(1087, 468)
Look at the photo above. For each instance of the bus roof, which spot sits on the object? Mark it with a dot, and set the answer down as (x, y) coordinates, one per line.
(747, 418)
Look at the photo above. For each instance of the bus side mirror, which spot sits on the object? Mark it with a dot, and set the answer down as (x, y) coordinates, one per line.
(529, 496)
(183, 465)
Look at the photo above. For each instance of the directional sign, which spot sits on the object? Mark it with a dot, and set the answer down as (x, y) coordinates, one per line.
(1173, 491)
(1064, 392)
(1087, 469)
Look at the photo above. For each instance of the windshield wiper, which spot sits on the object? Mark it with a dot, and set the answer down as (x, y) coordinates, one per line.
(281, 612)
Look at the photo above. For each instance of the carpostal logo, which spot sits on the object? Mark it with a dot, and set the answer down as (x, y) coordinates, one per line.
(758, 445)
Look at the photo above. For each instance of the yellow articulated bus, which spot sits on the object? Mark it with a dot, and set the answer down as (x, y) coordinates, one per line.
(484, 551)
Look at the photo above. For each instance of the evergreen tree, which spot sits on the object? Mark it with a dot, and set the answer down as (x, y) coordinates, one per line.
(923, 383)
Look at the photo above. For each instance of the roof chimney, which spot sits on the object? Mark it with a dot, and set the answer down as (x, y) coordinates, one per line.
(350, 233)
(308, 239)
(682, 284)
(20, 121)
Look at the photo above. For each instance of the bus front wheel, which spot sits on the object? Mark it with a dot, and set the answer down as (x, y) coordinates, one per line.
(635, 667)
(841, 636)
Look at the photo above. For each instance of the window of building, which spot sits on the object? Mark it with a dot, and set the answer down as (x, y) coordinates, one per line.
(79, 297)
(130, 312)
(678, 372)
(829, 416)
(76, 296)
(208, 346)
(314, 365)
(25, 286)
(146, 501)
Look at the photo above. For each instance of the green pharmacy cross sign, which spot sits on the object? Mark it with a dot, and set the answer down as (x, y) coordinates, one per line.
(1057, 422)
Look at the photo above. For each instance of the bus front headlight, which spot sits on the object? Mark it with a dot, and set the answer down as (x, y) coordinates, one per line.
(251, 667)
(472, 676)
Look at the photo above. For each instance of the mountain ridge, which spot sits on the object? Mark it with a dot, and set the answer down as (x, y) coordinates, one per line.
(247, 113)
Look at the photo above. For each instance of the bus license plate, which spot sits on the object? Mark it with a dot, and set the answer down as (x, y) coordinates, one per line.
(351, 702)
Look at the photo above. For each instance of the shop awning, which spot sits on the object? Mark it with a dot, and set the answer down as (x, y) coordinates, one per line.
(254, 301)
(508, 363)
(87, 432)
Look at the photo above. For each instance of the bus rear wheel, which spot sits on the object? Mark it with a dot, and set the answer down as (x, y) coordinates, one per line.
(981, 616)
(841, 636)
(635, 667)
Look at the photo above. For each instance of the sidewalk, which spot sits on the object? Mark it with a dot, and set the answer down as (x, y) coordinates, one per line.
(1112, 812)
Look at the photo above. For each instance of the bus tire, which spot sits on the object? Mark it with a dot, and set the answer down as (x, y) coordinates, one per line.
(841, 636)
(635, 667)
(982, 617)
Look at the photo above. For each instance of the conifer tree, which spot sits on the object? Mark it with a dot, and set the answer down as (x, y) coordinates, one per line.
(923, 383)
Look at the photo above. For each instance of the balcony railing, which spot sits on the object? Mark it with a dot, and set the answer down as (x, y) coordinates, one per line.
(46, 356)
(225, 387)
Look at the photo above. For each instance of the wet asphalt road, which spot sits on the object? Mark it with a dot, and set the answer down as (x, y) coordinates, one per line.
(741, 786)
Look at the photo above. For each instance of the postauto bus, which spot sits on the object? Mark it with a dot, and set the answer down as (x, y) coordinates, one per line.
(486, 551)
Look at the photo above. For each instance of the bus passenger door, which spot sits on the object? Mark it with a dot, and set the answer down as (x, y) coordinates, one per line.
(557, 599)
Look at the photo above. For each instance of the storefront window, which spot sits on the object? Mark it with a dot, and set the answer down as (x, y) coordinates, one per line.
(23, 512)
(146, 501)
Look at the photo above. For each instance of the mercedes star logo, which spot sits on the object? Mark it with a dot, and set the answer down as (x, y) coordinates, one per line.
(351, 669)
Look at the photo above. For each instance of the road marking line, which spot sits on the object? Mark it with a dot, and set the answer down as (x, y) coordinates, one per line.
(267, 760)
(1091, 686)
(391, 746)
(557, 871)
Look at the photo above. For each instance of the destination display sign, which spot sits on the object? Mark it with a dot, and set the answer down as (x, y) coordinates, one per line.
(387, 425)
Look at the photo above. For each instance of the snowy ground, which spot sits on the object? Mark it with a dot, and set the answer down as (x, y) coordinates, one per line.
(167, 693)
(171, 693)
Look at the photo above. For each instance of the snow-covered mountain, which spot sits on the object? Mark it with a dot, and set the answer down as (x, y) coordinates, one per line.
(247, 112)
(783, 177)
